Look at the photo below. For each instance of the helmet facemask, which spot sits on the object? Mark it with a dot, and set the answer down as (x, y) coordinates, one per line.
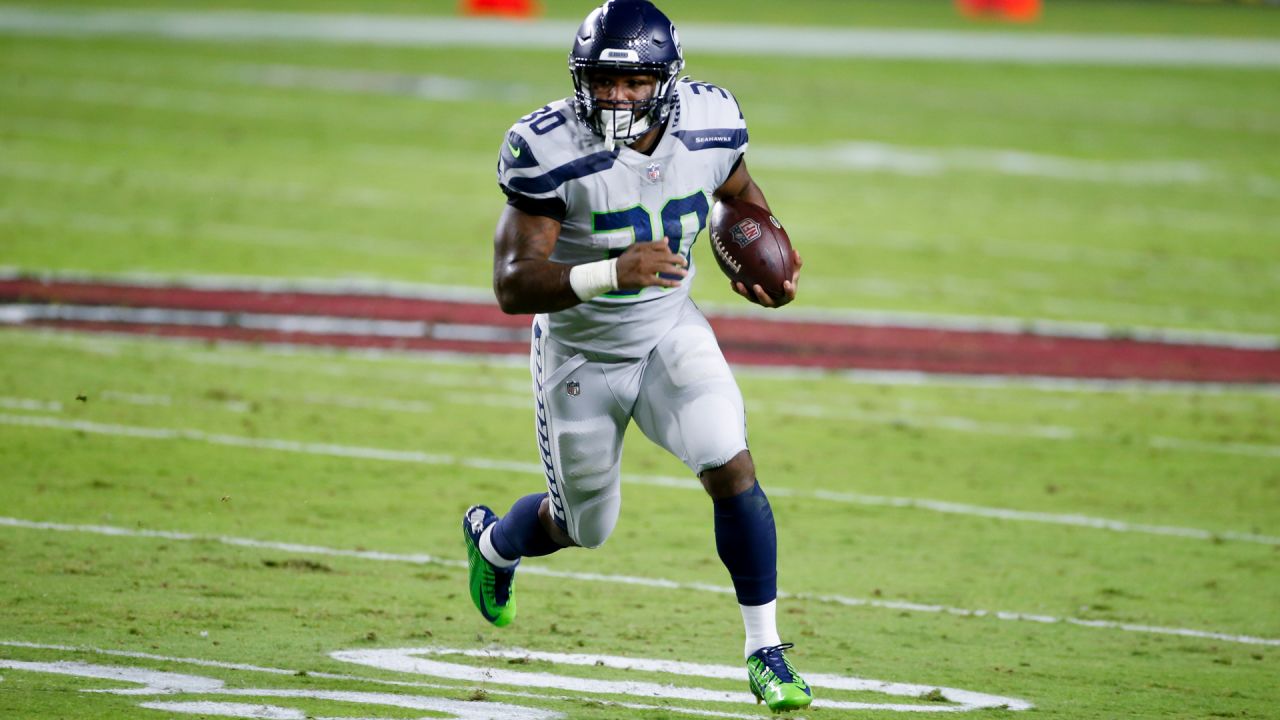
(622, 121)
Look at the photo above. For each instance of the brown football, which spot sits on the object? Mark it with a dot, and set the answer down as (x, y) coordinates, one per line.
(751, 246)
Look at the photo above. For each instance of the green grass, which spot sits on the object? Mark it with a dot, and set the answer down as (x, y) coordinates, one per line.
(288, 609)
(144, 155)
(121, 155)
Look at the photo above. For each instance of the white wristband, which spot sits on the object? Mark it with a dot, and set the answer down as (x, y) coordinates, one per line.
(594, 278)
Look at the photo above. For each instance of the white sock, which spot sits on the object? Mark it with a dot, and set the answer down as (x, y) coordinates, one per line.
(486, 549)
(761, 624)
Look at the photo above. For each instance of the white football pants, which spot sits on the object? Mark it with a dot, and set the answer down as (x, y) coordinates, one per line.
(682, 395)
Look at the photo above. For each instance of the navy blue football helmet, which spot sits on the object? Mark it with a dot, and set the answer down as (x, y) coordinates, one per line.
(625, 36)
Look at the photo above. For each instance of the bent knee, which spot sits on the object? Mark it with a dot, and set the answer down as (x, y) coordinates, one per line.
(590, 542)
(594, 525)
(734, 477)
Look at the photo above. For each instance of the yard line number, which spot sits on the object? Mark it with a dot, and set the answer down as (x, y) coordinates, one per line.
(668, 683)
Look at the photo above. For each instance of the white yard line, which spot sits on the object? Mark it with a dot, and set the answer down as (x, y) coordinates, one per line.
(103, 131)
(708, 39)
(204, 185)
(1062, 253)
(864, 156)
(357, 678)
(1268, 451)
(1040, 383)
(438, 88)
(928, 419)
(1034, 293)
(146, 399)
(302, 324)
(24, 403)
(515, 466)
(629, 580)
(934, 421)
(97, 224)
(232, 102)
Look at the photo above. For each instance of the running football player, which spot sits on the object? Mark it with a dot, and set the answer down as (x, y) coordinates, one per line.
(606, 193)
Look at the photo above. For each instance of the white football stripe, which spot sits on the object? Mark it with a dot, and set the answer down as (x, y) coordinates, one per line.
(882, 157)
(302, 324)
(414, 456)
(837, 42)
(408, 660)
(419, 558)
(399, 660)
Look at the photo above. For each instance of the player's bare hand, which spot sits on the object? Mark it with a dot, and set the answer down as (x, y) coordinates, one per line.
(757, 294)
(650, 263)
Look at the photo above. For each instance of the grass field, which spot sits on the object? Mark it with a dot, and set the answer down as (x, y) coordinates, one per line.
(250, 531)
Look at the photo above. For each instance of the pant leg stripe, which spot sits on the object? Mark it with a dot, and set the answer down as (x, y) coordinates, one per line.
(544, 440)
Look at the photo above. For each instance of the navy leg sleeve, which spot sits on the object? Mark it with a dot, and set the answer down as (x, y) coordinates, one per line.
(520, 534)
(748, 545)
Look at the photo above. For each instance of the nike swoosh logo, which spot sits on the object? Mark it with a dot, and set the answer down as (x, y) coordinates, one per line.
(515, 151)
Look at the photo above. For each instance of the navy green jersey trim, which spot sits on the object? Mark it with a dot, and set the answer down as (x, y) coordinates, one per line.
(516, 152)
(730, 138)
(580, 168)
(552, 207)
(736, 163)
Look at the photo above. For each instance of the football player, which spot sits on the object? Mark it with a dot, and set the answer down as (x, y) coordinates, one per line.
(606, 193)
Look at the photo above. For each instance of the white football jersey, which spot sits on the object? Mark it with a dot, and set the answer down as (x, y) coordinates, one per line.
(615, 197)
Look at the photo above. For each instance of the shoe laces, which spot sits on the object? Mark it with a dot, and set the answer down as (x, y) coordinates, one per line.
(772, 657)
(502, 578)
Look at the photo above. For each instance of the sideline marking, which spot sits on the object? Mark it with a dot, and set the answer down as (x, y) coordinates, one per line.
(198, 351)
(894, 318)
(415, 31)
(414, 456)
(424, 559)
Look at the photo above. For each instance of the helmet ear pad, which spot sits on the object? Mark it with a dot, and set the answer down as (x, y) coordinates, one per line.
(625, 36)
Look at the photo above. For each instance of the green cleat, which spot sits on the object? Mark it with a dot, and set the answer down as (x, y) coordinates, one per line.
(492, 588)
(774, 681)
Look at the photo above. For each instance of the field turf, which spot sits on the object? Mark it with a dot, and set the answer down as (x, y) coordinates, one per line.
(239, 513)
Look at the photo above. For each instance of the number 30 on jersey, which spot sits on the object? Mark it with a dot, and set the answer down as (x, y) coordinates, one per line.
(639, 220)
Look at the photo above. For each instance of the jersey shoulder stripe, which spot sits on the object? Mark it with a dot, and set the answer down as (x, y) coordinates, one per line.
(546, 149)
(709, 117)
(572, 170)
(728, 138)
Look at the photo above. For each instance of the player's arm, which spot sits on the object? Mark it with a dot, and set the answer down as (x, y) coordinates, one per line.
(525, 280)
(740, 185)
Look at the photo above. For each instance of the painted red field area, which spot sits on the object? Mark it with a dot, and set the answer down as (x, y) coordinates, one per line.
(414, 322)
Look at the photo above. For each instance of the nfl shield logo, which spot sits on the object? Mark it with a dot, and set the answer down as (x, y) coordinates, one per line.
(654, 172)
(573, 388)
(746, 232)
